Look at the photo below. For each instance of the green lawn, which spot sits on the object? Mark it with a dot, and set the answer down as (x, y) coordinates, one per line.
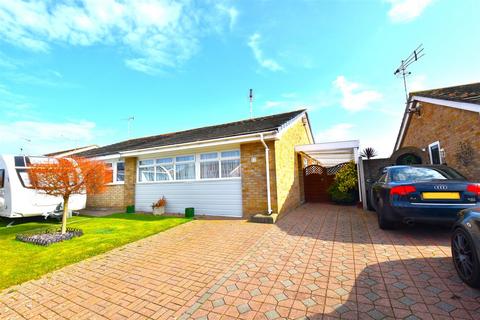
(21, 261)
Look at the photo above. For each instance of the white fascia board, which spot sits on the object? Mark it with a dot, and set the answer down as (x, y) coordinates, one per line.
(328, 146)
(115, 156)
(271, 135)
(448, 103)
(405, 120)
(293, 121)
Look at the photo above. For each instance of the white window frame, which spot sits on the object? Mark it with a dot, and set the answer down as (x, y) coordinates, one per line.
(217, 159)
(197, 162)
(228, 158)
(114, 172)
(436, 143)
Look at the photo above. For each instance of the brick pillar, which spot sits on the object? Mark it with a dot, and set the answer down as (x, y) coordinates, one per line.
(130, 180)
(254, 184)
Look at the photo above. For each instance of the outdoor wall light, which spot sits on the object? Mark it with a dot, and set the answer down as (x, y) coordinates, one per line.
(253, 159)
(442, 155)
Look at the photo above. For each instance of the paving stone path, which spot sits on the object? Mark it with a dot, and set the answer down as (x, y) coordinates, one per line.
(319, 262)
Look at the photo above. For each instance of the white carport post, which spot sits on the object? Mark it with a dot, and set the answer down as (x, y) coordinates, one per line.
(330, 154)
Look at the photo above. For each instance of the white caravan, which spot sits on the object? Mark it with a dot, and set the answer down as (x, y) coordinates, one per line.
(18, 199)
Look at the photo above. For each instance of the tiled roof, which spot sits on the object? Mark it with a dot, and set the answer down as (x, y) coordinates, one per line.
(79, 149)
(255, 125)
(469, 93)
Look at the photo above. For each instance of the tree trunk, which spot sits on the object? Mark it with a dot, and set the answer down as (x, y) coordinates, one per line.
(65, 215)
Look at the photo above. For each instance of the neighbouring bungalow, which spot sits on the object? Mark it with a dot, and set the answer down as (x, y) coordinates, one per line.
(220, 170)
(70, 152)
(444, 125)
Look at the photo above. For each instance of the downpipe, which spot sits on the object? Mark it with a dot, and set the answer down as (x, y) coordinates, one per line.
(267, 173)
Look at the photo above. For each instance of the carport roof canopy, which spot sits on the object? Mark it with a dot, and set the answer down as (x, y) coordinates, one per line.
(330, 154)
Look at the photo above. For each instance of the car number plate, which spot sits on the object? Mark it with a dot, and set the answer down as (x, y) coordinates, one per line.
(441, 195)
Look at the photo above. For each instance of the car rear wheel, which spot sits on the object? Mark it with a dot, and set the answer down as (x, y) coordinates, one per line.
(383, 222)
(465, 258)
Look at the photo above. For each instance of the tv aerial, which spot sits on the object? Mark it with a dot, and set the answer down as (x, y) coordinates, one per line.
(402, 71)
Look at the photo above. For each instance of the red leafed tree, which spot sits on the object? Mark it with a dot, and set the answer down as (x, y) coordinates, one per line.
(64, 177)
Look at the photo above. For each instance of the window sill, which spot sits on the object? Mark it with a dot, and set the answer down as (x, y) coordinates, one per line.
(115, 183)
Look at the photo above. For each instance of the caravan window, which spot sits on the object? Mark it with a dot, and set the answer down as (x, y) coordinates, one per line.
(2, 178)
(24, 178)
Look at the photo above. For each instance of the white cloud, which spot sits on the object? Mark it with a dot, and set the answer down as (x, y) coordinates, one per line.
(232, 13)
(274, 104)
(354, 99)
(338, 132)
(406, 10)
(270, 64)
(417, 83)
(368, 136)
(153, 34)
(37, 137)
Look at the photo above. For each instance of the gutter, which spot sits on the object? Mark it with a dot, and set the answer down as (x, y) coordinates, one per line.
(267, 174)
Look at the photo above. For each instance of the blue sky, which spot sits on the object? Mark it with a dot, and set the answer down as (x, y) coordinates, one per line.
(71, 72)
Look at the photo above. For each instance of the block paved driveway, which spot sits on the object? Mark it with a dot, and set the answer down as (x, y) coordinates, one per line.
(320, 261)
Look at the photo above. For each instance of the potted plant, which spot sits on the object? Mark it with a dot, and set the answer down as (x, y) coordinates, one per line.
(159, 206)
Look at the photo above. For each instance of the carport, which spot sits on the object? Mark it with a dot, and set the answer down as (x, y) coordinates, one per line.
(328, 158)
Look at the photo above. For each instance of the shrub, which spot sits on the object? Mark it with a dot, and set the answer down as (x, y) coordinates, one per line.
(343, 190)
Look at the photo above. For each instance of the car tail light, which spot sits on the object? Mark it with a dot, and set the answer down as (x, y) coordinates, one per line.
(402, 190)
(474, 188)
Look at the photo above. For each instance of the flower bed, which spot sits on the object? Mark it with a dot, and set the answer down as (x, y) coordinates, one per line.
(48, 236)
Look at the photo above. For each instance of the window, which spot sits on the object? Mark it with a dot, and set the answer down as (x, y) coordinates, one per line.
(225, 164)
(185, 168)
(2, 178)
(167, 169)
(210, 165)
(230, 164)
(22, 163)
(24, 178)
(120, 171)
(115, 172)
(412, 174)
(434, 151)
(164, 169)
(109, 173)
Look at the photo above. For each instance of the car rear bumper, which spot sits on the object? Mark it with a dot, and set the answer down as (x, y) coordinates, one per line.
(441, 213)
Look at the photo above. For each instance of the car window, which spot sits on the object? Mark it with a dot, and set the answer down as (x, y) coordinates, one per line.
(383, 178)
(405, 174)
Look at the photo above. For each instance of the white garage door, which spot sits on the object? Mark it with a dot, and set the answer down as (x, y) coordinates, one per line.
(213, 198)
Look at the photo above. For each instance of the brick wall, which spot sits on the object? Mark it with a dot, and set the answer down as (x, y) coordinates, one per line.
(254, 184)
(113, 197)
(118, 195)
(450, 126)
(285, 173)
(130, 180)
(289, 165)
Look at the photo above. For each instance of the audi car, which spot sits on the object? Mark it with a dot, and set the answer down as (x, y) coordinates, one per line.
(421, 193)
(466, 246)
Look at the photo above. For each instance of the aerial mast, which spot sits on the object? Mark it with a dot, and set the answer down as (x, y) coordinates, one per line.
(250, 96)
(401, 71)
